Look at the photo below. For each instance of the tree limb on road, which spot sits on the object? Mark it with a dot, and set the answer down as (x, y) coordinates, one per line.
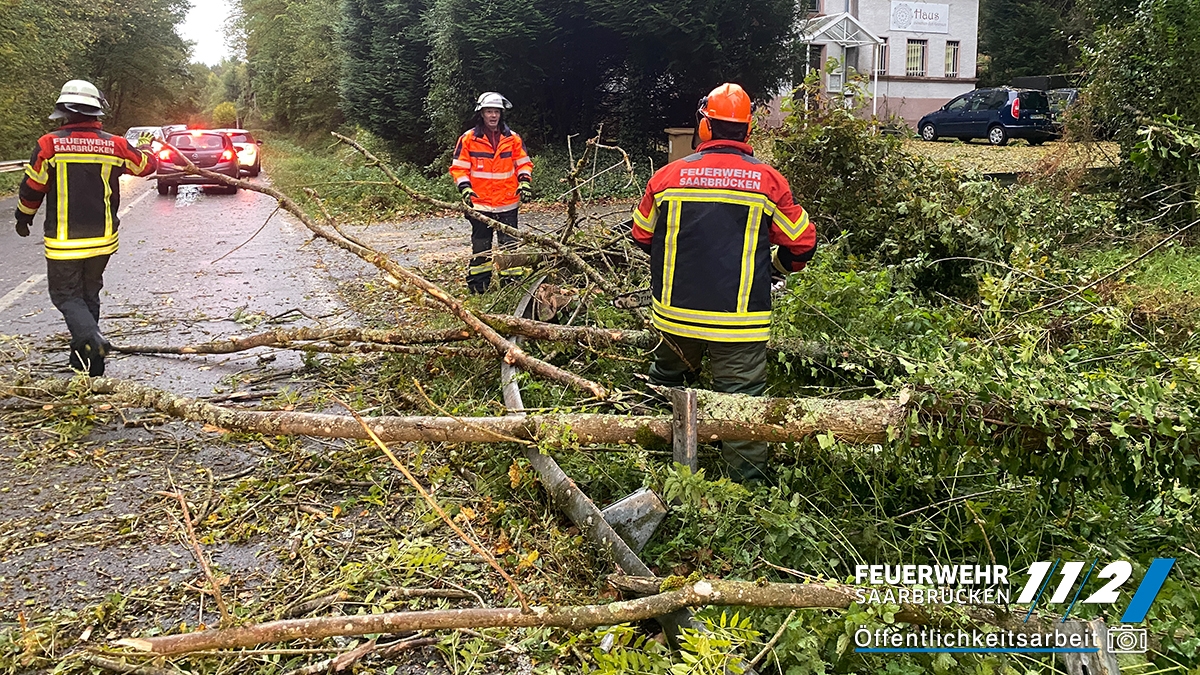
(507, 350)
(701, 593)
(724, 417)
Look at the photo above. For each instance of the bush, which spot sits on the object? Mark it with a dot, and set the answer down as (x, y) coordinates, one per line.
(224, 115)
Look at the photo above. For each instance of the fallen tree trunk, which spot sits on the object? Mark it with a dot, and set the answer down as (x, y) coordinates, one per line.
(723, 417)
(698, 594)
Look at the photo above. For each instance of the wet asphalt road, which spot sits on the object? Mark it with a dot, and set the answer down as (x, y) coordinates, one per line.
(179, 278)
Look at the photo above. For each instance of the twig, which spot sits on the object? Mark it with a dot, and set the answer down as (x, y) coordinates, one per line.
(772, 642)
(121, 666)
(200, 557)
(438, 508)
(1114, 273)
(256, 232)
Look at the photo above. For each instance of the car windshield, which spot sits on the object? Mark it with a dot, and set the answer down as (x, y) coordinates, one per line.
(240, 138)
(1034, 100)
(201, 142)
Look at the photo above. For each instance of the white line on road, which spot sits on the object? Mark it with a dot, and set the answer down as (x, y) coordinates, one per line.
(21, 289)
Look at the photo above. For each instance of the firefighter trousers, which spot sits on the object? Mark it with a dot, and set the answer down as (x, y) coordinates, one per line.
(737, 368)
(75, 290)
(479, 274)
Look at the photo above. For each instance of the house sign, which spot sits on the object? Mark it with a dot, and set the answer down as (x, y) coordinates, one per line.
(920, 17)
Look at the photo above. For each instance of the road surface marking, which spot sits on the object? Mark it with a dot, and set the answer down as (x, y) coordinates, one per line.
(125, 209)
(21, 289)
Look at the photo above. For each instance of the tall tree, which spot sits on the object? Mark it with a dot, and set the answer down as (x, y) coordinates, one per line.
(136, 58)
(292, 60)
(1025, 37)
(383, 82)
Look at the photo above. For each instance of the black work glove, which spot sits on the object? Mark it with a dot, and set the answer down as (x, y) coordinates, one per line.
(24, 220)
(469, 196)
(525, 191)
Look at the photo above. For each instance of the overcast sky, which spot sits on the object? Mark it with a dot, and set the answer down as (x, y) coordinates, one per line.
(205, 27)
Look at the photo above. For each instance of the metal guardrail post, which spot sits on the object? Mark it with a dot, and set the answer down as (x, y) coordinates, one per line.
(13, 165)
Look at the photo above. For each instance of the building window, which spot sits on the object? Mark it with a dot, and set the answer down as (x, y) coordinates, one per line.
(812, 6)
(881, 58)
(916, 58)
(951, 58)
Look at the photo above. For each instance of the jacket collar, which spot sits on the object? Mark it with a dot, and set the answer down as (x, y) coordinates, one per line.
(82, 125)
(743, 148)
(481, 130)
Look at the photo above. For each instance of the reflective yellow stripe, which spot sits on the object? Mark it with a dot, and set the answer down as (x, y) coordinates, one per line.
(775, 261)
(61, 171)
(81, 254)
(723, 196)
(77, 249)
(138, 168)
(25, 209)
(710, 333)
(646, 224)
(792, 230)
(669, 252)
(37, 176)
(480, 269)
(105, 174)
(514, 271)
(749, 247)
(722, 318)
(90, 242)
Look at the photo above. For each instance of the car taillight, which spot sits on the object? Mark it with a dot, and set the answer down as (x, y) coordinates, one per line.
(164, 154)
(227, 155)
(1016, 108)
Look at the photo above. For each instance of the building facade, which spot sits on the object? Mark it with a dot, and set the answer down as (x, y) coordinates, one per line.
(916, 56)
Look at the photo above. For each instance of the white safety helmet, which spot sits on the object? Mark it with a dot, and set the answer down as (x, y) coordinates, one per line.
(79, 96)
(490, 99)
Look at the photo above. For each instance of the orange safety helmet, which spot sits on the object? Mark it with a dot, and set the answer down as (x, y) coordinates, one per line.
(728, 102)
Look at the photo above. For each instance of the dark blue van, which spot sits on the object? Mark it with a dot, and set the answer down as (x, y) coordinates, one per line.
(994, 114)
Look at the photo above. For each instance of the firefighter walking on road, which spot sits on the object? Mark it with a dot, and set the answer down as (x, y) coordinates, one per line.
(493, 174)
(718, 225)
(76, 171)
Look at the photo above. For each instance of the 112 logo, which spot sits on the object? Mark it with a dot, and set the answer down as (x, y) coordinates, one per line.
(1117, 573)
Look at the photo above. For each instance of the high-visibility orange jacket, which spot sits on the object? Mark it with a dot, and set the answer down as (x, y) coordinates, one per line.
(492, 171)
(79, 166)
(709, 221)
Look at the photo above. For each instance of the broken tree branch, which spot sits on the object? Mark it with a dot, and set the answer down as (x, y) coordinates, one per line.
(701, 593)
(722, 417)
(504, 347)
(201, 559)
(283, 336)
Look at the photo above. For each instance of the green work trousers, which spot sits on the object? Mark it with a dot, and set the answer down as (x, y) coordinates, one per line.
(737, 368)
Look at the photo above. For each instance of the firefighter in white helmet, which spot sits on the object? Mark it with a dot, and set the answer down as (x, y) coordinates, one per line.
(493, 173)
(77, 170)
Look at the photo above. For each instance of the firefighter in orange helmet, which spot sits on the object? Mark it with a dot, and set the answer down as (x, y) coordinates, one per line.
(718, 225)
(493, 173)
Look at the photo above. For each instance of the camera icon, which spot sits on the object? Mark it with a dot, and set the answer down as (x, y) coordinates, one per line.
(1126, 640)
